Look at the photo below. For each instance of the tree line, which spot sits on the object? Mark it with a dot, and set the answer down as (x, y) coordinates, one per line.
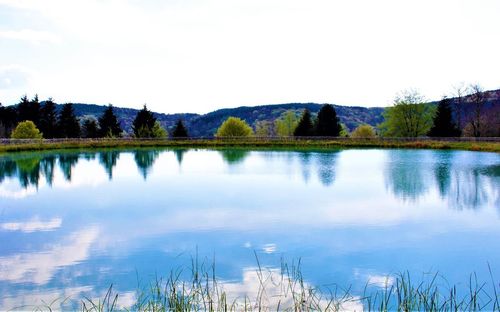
(31, 119)
(410, 116)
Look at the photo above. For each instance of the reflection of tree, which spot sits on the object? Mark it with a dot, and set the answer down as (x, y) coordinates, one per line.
(234, 156)
(8, 168)
(108, 160)
(179, 154)
(66, 163)
(305, 161)
(493, 173)
(144, 160)
(47, 165)
(28, 171)
(404, 175)
(88, 155)
(442, 171)
(468, 190)
(326, 167)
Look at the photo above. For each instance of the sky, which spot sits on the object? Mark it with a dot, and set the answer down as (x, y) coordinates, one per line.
(201, 55)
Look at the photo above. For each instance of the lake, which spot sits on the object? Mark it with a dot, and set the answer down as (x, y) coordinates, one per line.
(73, 223)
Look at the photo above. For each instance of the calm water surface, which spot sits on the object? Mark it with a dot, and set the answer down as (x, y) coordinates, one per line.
(73, 223)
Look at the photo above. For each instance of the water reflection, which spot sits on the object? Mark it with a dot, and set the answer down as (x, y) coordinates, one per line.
(326, 167)
(408, 175)
(464, 186)
(179, 155)
(404, 174)
(144, 160)
(47, 165)
(442, 171)
(66, 163)
(305, 162)
(234, 156)
(108, 161)
(330, 207)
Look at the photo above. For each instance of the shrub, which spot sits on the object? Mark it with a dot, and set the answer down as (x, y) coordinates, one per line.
(363, 131)
(234, 127)
(26, 130)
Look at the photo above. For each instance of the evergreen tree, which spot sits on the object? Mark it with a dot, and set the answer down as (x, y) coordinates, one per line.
(327, 123)
(443, 124)
(90, 128)
(29, 110)
(305, 126)
(68, 125)
(48, 119)
(8, 117)
(179, 130)
(108, 123)
(144, 123)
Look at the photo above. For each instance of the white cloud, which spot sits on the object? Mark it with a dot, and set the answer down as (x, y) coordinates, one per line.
(33, 225)
(14, 77)
(33, 36)
(201, 55)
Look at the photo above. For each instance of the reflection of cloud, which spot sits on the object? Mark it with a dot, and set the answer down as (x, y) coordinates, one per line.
(269, 248)
(39, 267)
(33, 36)
(32, 226)
(65, 299)
(381, 280)
(276, 291)
(6, 192)
(36, 299)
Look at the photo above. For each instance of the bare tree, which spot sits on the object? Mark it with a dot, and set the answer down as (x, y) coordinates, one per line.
(478, 98)
(459, 92)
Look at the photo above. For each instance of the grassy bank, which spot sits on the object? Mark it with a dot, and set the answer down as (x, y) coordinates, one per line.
(17, 146)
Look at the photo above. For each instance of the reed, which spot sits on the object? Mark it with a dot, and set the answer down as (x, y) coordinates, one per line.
(285, 289)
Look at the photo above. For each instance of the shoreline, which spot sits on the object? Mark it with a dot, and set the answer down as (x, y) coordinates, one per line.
(327, 143)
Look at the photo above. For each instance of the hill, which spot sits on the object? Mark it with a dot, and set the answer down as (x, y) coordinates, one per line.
(206, 125)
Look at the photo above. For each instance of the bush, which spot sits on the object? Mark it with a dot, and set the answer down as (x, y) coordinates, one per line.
(26, 130)
(234, 127)
(363, 131)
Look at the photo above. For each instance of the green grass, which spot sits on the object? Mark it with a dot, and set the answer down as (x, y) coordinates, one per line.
(285, 289)
(251, 143)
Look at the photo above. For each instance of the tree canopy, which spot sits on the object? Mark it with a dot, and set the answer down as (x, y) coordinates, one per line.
(29, 110)
(328, 123)
(180, 130)
(443, 123)
(305, 126)
(234, 127)
(363, 131)
(286, 124)
(68, 125)
(410, 116)
(90, 128)
(26, 130)
(108, 124)
(48, 119)
(143, 123)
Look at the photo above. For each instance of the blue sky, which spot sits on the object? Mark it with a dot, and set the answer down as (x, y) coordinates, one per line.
(197, 56)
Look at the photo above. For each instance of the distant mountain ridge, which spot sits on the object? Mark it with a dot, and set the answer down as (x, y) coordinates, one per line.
(206, 124)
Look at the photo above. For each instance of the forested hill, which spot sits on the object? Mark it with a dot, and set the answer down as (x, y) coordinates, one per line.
(207, 124)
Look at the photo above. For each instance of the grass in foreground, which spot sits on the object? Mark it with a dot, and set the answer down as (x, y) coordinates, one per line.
(285, 289)
(17, 146)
